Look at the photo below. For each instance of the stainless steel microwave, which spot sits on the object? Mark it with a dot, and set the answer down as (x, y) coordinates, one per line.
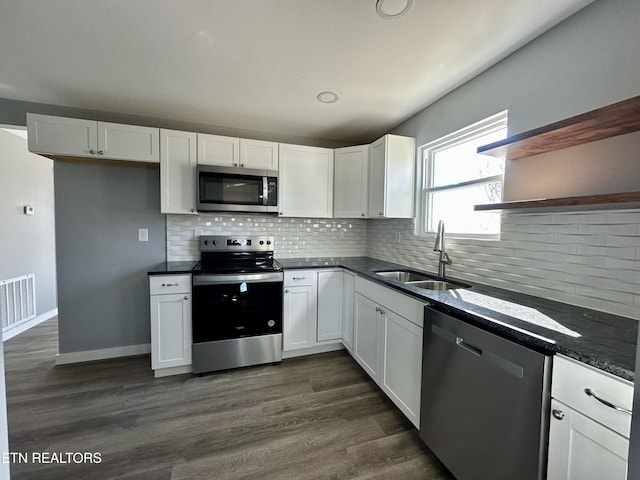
(227, 189)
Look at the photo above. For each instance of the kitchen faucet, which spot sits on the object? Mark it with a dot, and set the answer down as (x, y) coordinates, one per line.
(439, 247)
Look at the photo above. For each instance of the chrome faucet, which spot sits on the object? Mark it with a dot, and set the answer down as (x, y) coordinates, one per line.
(439, 247)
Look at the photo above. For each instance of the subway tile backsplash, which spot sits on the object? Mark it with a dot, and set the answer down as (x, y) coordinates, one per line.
(295, 237)
(590, 259)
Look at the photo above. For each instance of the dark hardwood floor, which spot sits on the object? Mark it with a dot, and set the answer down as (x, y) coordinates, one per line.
(316, 417)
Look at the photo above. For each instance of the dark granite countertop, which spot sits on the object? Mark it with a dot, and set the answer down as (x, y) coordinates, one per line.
(603, 340)
(171, 268)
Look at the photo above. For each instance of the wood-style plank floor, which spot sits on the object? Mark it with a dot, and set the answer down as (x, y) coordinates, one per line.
(316, 417)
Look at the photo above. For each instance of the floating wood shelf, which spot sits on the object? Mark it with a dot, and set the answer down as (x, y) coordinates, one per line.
(610, 121)
(608, 200)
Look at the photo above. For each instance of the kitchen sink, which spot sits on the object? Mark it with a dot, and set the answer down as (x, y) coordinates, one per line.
(420, 280)
(403, 276)
(436, 285)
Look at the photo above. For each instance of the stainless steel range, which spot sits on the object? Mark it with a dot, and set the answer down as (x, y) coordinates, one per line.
(237, 303)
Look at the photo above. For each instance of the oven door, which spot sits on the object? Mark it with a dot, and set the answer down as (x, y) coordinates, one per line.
(236, 189)
(229, 306)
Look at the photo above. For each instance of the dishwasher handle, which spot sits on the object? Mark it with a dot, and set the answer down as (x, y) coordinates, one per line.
(468, 346)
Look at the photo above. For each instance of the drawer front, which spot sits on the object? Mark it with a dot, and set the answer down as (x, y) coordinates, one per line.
(570, 380)
(169, 284)
(404, 305)
(296, 278)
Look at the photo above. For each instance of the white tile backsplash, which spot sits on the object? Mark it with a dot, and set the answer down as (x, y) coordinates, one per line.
(590, 259)
(582, 258)
(295, 237)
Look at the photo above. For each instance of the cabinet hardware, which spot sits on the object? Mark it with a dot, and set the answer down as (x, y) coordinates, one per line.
(242, 165)
(559, 414)
(170, 284)
(382, 311)
(193, 209)
(286, 291)
(235, 164)
(380, 213)
(100, 152)
(92, 152)
(299, 278)
(362, 214)
(186, 297)
(593, 394)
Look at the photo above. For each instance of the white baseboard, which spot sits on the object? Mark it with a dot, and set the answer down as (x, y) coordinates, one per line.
(102, 354)
(312, 350)
(18, 328)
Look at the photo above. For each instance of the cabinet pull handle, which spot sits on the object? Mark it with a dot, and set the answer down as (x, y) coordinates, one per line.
(593, 394)
(100, 152)
(380, 213)
(170, 284)
(92, 152)
(186, 297)
(559, 414)
(235, 164)
(242, 165)
(299, 278)
(286, 291)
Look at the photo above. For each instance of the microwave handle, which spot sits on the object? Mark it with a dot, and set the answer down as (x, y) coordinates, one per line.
(265, 190)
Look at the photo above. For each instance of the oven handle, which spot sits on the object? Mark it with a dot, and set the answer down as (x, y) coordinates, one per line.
(239, 278)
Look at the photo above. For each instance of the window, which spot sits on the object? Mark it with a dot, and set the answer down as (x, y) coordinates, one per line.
(455, 178)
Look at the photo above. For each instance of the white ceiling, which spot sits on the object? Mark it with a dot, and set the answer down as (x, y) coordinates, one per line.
(259, 64)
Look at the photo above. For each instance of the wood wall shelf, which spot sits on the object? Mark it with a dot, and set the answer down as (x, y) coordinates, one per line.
(608, 200)
(610, 121)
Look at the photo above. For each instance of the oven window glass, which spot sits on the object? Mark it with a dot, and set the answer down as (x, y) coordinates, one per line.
(230, 189)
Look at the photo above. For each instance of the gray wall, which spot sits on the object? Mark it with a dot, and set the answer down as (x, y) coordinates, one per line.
(102, 281)
(588, 61)
(27, 242)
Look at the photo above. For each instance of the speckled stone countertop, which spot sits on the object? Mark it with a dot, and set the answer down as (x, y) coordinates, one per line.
(603, 340)
(172, 268)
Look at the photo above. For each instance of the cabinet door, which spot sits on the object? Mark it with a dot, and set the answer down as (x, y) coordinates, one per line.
(218, 150)
(582, 449)
(170, 330)
(177, 172)
(377, 155)
(367, 335)
(329, 306)
(306, 181)
(348, 294)
(299, 317)
(351, 180)
(402, 363)
(128, 142)
(258, 154)
(62, 136)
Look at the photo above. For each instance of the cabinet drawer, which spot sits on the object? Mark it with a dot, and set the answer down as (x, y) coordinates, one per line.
(168, 284)
(295, 278)
(570, 380)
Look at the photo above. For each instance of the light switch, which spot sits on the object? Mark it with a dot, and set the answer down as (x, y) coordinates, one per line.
(143, 234)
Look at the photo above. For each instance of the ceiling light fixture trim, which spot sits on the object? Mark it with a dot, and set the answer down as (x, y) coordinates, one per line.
(390, 9)
(328, 97)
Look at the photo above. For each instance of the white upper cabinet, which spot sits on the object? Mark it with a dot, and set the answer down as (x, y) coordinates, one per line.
(391, 177)
(305, 181)
(237, 152)
(87, 138)
(128, 142)
(258, 154)
(218, 150)
(177, 172)
(351, 179)
(62, 136)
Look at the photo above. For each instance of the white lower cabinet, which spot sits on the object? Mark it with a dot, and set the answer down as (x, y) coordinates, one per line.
(582, 449)
(388, 343)
(170, 312)
(312, 309)
(588, 439)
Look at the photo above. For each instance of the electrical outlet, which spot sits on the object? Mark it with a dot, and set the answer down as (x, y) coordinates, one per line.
(143, 234)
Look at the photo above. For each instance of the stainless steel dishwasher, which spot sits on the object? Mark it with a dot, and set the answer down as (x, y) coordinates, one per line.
(485, 402)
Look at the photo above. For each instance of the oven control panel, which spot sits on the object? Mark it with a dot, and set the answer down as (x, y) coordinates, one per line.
(222, 243)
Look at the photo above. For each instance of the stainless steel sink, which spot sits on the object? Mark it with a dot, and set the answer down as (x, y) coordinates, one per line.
(403, 276)
(436, 285)
(420, 280)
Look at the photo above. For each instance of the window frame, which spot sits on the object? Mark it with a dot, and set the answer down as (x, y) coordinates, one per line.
(426, 153)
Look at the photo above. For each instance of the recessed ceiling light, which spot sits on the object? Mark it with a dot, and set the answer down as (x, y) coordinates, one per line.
(393, 8)
(328, 97)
